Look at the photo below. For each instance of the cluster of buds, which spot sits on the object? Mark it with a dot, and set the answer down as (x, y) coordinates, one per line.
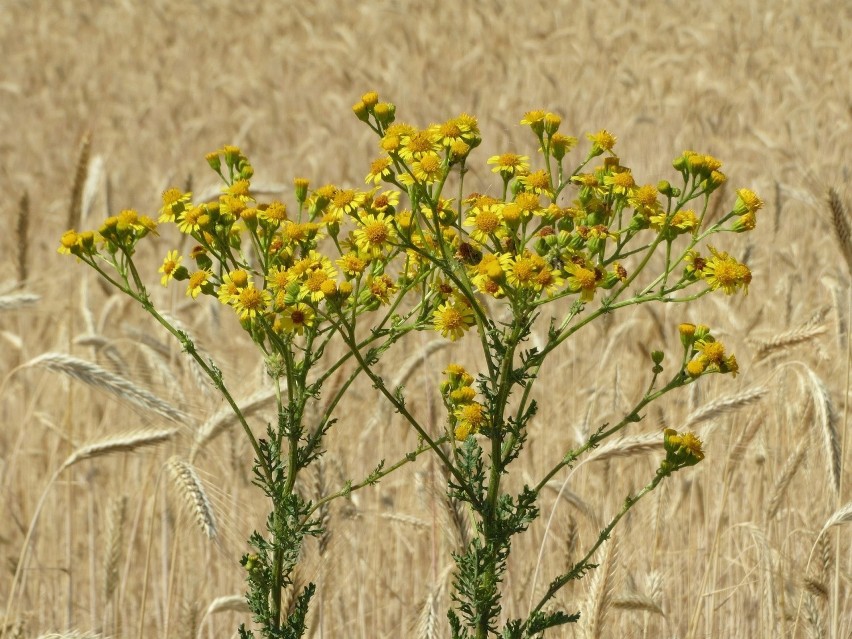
(467, 416)
(702, 168)
(703, 354)
(682, 450)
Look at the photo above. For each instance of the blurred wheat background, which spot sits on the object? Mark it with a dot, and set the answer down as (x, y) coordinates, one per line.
(103, 105)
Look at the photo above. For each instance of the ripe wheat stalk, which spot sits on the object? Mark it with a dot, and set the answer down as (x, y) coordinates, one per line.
(98, 377)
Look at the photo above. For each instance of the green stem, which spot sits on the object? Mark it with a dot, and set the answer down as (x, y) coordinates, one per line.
(347, 333)
(583, 565)
(373, 477)
(597, 437)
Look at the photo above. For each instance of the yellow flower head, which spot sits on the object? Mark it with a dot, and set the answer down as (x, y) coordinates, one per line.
(346, 202)
(510, 164)
(747, 202)
(295, 318)
(279, 278)
(458, 130)
(68, 242)
(382, 287)
(470, 419)
(561, 144)
(417, 144)
(239, 189)
(582, 278)
(463, 395)
(455, 371)
(428, 168)
(622, 182)
(486, 222)
(380, 170)
(601, 141)
(723, 271)
(352, 264)
(682, 450)
(250, 302)
(193, 219)
(536, 182)
(375, 235)
(197, 282)
(174, 203)
(524, 269)
(384, 200)
(453, 319)
(275, 212)
(535, 120)
(170, 265)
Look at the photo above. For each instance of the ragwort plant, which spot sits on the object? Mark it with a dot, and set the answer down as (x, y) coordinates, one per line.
(510, 258)
(449, 265)
(274, 270)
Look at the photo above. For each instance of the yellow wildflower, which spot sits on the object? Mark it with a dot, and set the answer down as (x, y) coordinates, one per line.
(582, 278)
(250, 302)
(510, 164)
(723, 271)
(453, 318)
(486, 222)
(170, 265)
(380, 170)
(295, 318)
(197, 282)
(601, 141)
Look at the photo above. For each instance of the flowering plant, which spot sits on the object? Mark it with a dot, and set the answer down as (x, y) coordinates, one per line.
(404, 256)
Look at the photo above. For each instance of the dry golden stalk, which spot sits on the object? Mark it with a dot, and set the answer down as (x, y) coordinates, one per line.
(75, 208)
(22, 237)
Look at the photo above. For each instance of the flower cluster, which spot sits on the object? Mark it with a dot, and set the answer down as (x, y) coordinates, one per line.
(467, 416)
(704, 354)
(347, 249)
(682, 450)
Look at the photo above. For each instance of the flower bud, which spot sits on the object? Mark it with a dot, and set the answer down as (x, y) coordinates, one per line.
(301, 185)
(214, 161)
(385, 113)
(360, 111)
(551, 123)
(370, 99)
(687, 334)
(744, 223)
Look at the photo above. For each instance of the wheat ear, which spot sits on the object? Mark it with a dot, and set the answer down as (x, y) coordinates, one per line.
(122, 443)
(115, 543)
(827, 418)
(600, 596)
(794, 461)
(117, 443)
(841, 516)
(429, 619)
(635, 601)
(228, 603)
(72, 634)
(12, 302)
(22, 237)
(75, 207)
(192, 491)
(786, 340)
(724, 405)
(98, 377)
(840, 221)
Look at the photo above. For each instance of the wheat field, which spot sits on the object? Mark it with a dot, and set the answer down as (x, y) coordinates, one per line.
(139, 486)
